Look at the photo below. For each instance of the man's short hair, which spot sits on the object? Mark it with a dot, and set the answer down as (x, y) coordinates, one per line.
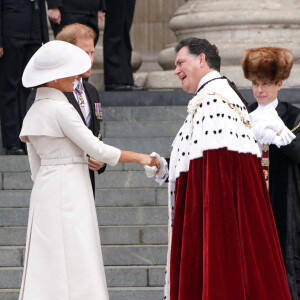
(197, 46)
(71, 33)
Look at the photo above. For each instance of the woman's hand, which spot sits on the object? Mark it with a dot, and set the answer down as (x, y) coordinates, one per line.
(140, 158)
(149, 161)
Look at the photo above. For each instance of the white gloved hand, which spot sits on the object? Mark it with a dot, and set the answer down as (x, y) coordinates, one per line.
(276, 124)
(150, 171)
(163, 164)
(262, 134)
(163, 173)
(285, 137)
(268, 127)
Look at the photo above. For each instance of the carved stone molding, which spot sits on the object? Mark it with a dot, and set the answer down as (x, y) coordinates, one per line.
(235, 26)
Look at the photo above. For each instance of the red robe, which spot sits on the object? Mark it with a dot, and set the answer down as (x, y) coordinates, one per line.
(224, 244)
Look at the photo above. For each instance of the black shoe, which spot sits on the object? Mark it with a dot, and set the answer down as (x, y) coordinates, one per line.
(123, 87)
(15, 151)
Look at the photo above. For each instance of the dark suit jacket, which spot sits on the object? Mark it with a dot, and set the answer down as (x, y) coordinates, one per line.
(77, 11)
(92, 97)
(23, 20)
(78, 6)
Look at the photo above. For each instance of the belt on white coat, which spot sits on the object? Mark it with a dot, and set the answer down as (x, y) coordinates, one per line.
(64, 161)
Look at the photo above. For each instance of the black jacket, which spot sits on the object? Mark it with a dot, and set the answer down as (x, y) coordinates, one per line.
(78, 6)
(24, 19)
(284, 191)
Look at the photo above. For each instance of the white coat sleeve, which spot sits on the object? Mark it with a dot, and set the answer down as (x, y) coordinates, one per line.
(73, 127)
(34, 161)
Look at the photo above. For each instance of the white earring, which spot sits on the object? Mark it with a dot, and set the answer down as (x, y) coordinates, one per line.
(55, 81)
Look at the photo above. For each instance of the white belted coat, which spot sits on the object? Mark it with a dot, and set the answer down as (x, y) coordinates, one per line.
(63, 259)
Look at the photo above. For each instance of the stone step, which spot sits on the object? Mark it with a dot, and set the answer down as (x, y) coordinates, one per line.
(110, 235)
(134, 235)
(129, 293)
(140, 129)
(178, 98)
(9, 294)
(121, 197)
(14, 198)
(110, 179)
(14, 163)
(106, 216)
(125, 197)
(121, 255)
(139, 276)
(161, 145)
(144, 113)
(156, 293)
(125, 179)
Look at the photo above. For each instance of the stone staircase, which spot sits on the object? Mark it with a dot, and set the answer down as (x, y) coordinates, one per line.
(132, 209)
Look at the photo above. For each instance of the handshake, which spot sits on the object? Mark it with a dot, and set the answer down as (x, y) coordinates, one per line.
(162, 174)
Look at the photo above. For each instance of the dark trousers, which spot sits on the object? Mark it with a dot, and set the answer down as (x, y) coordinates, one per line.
(90, 20)
(116, 42)
(13, 96)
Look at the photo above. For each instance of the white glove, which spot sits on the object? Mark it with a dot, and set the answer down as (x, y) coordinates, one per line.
(163, 171)
(268, 127)
(285, 137)
(276, 124)
(262, 134)
(150, 171)
(163, 164)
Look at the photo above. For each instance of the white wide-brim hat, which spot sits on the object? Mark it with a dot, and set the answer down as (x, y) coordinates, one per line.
(55, 60)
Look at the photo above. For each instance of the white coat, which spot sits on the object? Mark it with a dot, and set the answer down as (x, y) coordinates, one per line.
(63, 259)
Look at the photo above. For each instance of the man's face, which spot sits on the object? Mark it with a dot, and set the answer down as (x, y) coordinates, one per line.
(188, 69)
(66, 84)
(87, 45)
(265, 92)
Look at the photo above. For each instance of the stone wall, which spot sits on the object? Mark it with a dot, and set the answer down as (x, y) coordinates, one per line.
(150, 30)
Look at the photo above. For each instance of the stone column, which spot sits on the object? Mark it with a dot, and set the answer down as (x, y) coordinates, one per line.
(233, 26)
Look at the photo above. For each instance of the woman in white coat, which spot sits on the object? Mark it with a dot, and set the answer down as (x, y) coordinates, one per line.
(63, 259)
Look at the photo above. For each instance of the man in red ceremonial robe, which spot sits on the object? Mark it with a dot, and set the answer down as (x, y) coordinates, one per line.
(223, 243)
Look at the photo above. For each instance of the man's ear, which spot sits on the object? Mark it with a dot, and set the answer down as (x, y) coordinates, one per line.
(202, 58)
(279, 84)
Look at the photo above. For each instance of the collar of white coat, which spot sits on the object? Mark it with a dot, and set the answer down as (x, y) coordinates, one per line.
(49, 93)
(209, 76)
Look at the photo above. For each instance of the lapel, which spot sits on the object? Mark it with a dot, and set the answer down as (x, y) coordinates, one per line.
(73, 101)
(281, 110)
(89, 97)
